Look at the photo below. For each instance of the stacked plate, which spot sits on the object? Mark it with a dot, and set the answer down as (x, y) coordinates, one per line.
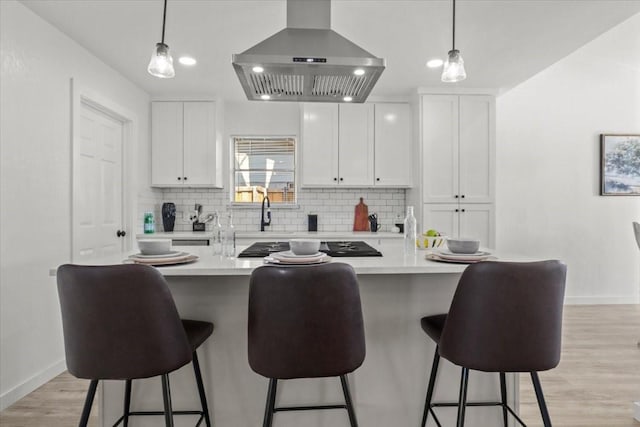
(289, 258)
(444, 255)
(170, 258)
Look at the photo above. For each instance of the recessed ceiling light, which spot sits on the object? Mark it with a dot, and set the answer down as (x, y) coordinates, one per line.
(347, 99)
(258, 69)
(265, 97)
(435, 63)
(358, 72)
(187, 60)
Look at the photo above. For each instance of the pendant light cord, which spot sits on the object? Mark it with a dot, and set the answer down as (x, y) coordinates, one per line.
(164, 19)
(454, 25)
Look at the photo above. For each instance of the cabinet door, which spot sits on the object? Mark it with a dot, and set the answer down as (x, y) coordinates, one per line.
(441, 217)
(166, 142)
(199, 143)
(355, 136)
(477, 149)
(440, 148)
(319, 144)
(393, 145)
(477, 222)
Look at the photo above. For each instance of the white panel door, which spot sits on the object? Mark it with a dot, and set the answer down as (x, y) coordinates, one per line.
(167, 166)
(319, 144)
(477, 148)
(441, 217)
(97, 184)
(199, 143)
(393, 145)
(440, 148)
(477, 222)
(355, 136)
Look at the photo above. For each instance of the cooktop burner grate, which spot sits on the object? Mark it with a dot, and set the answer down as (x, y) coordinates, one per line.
(334, 249)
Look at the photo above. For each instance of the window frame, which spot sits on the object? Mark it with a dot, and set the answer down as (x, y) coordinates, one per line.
(232, 171)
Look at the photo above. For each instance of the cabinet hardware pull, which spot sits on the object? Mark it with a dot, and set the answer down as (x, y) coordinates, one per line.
(179, 178)
(462, 210)
(121, 233)
(462, 196)
(456, 196)
(335, 179)
(377, 179)
(341, 179)
(457, 210)
(185, 178)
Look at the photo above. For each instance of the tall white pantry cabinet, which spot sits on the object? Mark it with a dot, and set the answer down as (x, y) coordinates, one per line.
(457, 158)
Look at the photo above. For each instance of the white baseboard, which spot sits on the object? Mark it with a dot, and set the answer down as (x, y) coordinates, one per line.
(10, 397)
(597, 300)
(636, 410)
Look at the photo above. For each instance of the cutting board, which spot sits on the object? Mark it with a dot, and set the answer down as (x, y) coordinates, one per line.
(361, 218)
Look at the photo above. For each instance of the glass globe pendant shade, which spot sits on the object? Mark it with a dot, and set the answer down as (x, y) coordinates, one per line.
(453, 70)
(161, 64)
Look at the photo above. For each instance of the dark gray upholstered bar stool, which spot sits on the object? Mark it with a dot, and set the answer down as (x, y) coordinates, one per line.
(120, 323)
(305, 322)
(504, 317)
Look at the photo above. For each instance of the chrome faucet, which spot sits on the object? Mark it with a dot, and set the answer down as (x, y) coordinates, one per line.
(266, 222)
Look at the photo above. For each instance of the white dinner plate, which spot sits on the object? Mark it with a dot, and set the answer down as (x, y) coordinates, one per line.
(169, 254)
(293, 261)
(289, 254)
(433, 256)
(449, 254)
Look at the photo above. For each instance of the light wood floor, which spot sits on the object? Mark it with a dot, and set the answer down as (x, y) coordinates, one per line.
(594, 385)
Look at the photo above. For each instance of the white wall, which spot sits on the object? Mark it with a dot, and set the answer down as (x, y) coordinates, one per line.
(38, 62)
(548, 167)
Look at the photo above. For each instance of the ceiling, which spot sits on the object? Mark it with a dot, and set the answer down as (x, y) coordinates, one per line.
(503, 42)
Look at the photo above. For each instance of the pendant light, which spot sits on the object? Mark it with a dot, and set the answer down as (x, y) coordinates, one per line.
(161, 64)
(453, 70)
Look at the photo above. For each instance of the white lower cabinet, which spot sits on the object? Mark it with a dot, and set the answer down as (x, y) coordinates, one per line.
(469, 220)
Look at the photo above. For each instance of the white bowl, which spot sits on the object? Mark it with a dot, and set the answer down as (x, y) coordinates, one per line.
(154, 246)
(463, 245)
(304, 246)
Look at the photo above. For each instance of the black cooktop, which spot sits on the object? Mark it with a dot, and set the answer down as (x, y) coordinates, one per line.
(334, 249)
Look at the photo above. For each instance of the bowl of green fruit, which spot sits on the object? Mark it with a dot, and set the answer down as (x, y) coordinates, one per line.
(431, 239)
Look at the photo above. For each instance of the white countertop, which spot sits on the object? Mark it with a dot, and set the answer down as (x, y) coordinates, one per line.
(276, 235)
(393, 261)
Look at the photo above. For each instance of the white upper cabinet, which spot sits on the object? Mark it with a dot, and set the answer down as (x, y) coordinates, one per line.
(355, 158)
(356, 145)
(393, 145)
(458, 148)
(319, 144)
(184, 147)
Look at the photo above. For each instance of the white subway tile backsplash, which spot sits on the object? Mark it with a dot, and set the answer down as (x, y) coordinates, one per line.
(335, 208)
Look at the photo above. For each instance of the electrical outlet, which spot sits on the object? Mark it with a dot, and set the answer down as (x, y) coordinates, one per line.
(185, 216)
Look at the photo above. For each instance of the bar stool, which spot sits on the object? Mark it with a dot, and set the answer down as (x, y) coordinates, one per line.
(120, 323)
(305, 322)
(504, 317)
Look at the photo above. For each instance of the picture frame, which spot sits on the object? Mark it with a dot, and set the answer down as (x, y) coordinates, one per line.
(619, 165)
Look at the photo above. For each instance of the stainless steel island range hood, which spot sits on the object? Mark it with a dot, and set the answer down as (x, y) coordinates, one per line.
(307, 61)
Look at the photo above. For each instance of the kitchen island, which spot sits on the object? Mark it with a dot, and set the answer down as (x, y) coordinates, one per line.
(388, 389)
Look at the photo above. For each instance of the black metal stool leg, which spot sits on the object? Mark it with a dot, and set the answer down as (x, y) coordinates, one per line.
(347, 399)
(166, 397)
(432, 383)
(271, 403)
(203, 397)
(503, 395)
(462, 401)
(127, 403)
(88, 402)
(541, 403)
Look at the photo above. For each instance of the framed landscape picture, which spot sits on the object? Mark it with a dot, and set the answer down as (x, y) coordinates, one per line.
(619, 165)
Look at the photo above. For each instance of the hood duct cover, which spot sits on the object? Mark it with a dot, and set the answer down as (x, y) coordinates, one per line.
(307, 64)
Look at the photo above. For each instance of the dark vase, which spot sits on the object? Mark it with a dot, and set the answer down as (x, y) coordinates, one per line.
(168, 216)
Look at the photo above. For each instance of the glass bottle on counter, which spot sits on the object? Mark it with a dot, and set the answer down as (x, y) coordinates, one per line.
(149, 223)
(410, 232)
(216, 240)
(229, 243)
